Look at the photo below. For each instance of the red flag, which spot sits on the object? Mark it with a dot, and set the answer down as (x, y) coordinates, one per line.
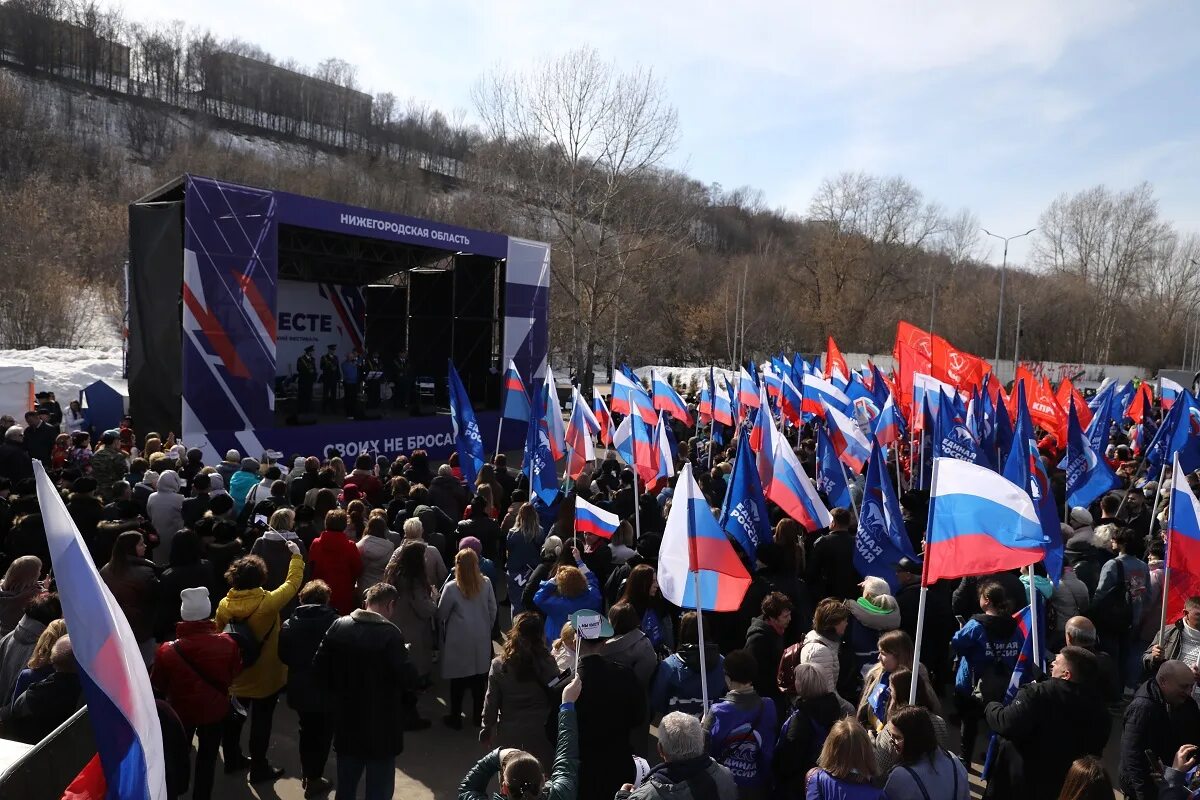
(1045, 411)
(1142, 402)
(833, 358)
(942, 360)
(1063, 392)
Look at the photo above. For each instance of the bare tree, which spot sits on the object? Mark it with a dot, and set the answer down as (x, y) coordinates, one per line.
(579, 147)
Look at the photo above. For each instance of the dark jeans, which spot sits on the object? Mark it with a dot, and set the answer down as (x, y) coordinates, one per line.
(328, 396)
(316, 735)
(459, 686)
(350, 400)
(209, 739)
(262, 714)
(381, 776)
(970, 714)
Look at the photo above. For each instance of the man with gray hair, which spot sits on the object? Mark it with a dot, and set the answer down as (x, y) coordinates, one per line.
(1081, 632)
(687, 772)
(14, 459)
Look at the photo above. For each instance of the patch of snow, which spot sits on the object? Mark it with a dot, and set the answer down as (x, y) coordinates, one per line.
(65, 371)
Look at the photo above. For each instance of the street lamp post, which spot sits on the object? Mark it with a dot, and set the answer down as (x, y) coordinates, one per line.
(1003, 272)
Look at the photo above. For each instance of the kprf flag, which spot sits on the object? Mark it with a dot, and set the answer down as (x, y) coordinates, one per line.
(594, 520)
(836, 370)
(831, 479)
(979, 523)
(849, 442)
(881, 540)
(697, 565)
(1168, 392)
(629, 397)
(115, 683)
(1088, 475)
(1183, 545)
(516, 399)
(786, 484)
(1024, 467)
(668, 400)
(467, 439)
(744, 512)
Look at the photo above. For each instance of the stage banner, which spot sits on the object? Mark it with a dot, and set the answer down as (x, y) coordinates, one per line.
(318, 314)
(527, 307)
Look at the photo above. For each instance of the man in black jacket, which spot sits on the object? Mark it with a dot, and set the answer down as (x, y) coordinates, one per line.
(48, 703)
(14, 458)
(831, 571)
(765, 641)
(1149, 727)
(1047, 726)
(363, 663)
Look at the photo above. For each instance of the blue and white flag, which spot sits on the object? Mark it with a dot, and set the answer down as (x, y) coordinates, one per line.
(881, 540)
(831, 480)
(116, 685)
(952, 438)
(1024, 467)
(744, 512)
(467, 439)
(1088, 476)
(539, 462)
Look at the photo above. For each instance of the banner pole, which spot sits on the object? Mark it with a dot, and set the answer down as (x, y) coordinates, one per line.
(637, 506)
(899, 482)
(700, 639)
(499, 428)
(912, 692)
(1033, 604)
(846, 478)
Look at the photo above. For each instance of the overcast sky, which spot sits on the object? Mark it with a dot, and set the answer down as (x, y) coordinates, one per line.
(998, 107)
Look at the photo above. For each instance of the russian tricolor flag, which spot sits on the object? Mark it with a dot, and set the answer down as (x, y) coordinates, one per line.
(629, 397)
(852, 447)
(552, 421)
(668, 400)
(516, 399)
(747, 390)
(697, 565)
(579, 436)
(1168, 392)
(116, 685)
(889, 425)
(722, 404)
(785, 483)
(594, 520)
(1183, 545)
(603, 419)
(819, 392)
(664, 455)
(633, 442)
(979, 523)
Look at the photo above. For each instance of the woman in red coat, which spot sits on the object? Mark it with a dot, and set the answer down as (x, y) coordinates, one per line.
(334, 559)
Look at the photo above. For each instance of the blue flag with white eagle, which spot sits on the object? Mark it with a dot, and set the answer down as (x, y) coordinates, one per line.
(467, 439)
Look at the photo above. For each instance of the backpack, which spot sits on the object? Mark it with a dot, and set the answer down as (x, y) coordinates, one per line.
(249, 645)
(741, 751)
(816, 741)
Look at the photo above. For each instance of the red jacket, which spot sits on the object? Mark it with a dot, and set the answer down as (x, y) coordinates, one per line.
(214, 655)
(367, 484)
(334, 559)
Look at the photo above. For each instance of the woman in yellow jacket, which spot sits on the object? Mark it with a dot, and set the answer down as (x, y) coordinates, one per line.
(257, 686)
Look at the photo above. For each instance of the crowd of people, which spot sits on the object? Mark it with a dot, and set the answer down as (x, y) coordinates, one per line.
(348, 591)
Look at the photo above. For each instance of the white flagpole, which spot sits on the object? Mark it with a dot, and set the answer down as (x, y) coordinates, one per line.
(1166, 581)
(846, 478)
(700, 638)
(912, 692)
(637, 507)
(1033, 604)
(499, 428)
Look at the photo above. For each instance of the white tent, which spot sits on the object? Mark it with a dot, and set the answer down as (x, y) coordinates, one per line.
(16, 391)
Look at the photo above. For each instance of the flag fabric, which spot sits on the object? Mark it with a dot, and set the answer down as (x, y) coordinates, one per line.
(667, 399)
(1025, 668)
(468, 441)
(705, 407)
(1003, 430)
(928, 388)
(863, 407)
(1102, 407)
(1088, 475)
(851, 445)
(881, 540)
(1123, 397)
(1183, 546)
(664, 453)
(539, 461)
(634, 442)
(696, 562)
(747, 391)
(115, 683)
(722, 401)
(629, 397)
(787, 485)
(791, 400)
(818, 393)
(516, 399)
(744, 511)
(594, 520)
(603, 420)
(980, 522)
(889, 425)
(951, 437)
(1141, 404)
(579, 438)
(1178, 434)
(924, 465)
(552, 418)
(835, 364)
(831, 480)
(1025, 468)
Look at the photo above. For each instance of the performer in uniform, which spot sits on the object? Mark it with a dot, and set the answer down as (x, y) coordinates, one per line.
(306, 371)
(331, 375)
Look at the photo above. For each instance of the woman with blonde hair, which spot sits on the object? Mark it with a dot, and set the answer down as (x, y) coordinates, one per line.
(38, 666)
(895, 654)
(356, 515)
(339, 469)
(846, 767)
(20, 585)
(466, 611)
(571, 589)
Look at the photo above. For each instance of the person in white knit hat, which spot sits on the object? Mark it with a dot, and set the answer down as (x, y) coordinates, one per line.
(194, 674)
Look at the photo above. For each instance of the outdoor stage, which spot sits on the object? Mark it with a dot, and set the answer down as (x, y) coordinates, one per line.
(229, 284)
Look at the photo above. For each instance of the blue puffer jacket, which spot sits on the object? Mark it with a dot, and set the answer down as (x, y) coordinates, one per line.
(676, 685)
(557, 608)
(987, 647)
(523, 556)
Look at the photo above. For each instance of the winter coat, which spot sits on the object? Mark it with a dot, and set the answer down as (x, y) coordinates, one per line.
(767, 648)
(170, 586)
(633, 650)
(15, 649)
(941, 776)
(820, 785)
(367, 484)
(887, 754)
(272, 548)
(523, 556)
(239, 486)
(676, 684)
(195, 671)
(611, 707)
(1172, 644)
(374, 551)
(12, 607)
(831, 571)
(1071, 598)
(136, 590)
(1048, 725)
(1147, 726)
(467, 630)
(515, 709)
(15, 463)
(334, 559)
(740, 730)
(41, 708)
(299, 639)
(1136, 586)
(486, 530)
(557, 608)
(449, 495)
(800, 741)
(413, 615)
(695, 779)
(817, 650)
(563, 783)
(363, 666)
(988, 647)
(867, 623)
(165, 510)
(1086, 559)
(108, 467)
(87, 511)
(260, 609)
